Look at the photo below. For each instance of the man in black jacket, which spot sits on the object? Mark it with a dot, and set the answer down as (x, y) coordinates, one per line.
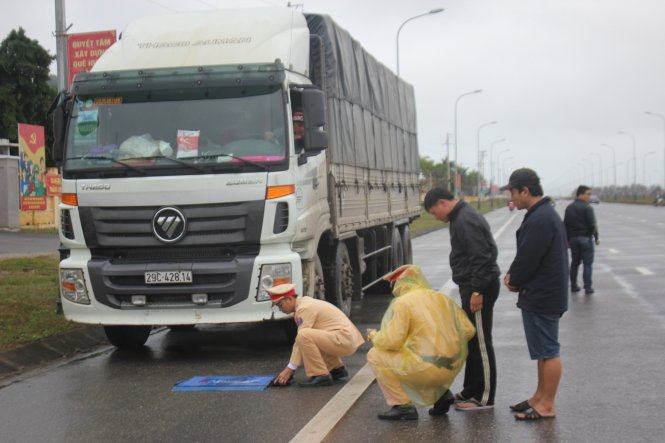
(473, 262)
(539, 273)
(580, 222)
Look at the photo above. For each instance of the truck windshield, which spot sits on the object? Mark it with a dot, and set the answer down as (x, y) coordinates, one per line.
(139, 134)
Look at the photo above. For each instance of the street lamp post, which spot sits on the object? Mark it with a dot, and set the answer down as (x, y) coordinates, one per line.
(498, 163)
(614, 161)
(644, 167)
(492, 167)
(433, 11)
(600, 169)
(632, 137)
(493, 122)
(502, 166)
(477, 91)
(662, 117)
(501, 140)
(614, 167)
(585, 172)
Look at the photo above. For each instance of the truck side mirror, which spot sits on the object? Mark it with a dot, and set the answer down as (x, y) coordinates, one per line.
(314, 108)
(60, 108)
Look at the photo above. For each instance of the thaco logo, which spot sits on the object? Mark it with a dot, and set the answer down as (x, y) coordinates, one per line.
(169, 225)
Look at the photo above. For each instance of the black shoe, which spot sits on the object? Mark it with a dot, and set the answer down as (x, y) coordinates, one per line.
(443, 404)
(575, 289)
(402, 412)
(339, 373)
(589, 291)
(317, 380)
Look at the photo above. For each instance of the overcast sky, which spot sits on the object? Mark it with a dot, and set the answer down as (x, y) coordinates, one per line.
(561, 77)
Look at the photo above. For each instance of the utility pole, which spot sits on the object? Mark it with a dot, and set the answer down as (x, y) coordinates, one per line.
(61, 44)
(450, 180)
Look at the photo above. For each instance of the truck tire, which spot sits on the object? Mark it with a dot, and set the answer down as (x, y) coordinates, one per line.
(397, 250)
(406, 244)
(319, 289)
(127, 337)
(339, 279)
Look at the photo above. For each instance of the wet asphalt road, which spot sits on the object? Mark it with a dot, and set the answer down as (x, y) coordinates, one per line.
(613, 345)
(17, 243)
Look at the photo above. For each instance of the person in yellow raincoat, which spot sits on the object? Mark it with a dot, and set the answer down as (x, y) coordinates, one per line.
(420, 348)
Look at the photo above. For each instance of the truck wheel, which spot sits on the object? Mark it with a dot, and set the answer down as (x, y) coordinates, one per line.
(339, 280)
(127, 337)
(397, 251)
(318, 288)
(406, 244)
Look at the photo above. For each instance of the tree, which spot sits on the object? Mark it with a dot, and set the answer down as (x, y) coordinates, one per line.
(25, 95)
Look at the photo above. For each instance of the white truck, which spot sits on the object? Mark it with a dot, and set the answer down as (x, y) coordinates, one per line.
(186, 191)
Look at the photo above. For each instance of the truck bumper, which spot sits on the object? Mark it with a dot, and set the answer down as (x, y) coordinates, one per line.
(108, 295)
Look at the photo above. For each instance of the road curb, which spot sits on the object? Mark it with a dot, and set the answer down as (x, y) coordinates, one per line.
(50, 349)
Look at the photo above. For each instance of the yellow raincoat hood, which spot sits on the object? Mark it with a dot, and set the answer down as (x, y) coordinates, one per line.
(423, 338)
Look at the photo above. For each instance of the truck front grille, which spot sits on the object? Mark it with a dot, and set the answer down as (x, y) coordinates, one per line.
(211, 224)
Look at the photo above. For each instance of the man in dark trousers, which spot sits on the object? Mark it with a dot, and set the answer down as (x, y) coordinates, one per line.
(473, 262)
(580, 222)
(539, 273)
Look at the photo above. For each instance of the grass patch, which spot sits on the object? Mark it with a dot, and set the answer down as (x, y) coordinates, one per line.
(42, 231)
(28, 292)
(427, 223)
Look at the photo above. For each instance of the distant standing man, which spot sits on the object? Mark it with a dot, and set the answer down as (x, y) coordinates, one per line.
(473, 262)
(539, 273)
(581, 226)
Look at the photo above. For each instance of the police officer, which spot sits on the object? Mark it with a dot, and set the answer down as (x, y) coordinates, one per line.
(324, 335)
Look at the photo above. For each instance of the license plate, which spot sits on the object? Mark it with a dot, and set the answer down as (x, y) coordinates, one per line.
(168, 277)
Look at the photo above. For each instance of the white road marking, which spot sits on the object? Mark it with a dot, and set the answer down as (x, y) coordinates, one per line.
(325, 420)
(613, 251)
(660, 224)
(634, 294)
(643, 221)
(644, 271)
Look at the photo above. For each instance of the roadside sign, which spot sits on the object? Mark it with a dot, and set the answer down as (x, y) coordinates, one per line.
(84, 49)
(53, 184)
(32, 167)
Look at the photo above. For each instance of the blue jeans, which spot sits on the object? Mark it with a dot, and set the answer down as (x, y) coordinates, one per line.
(581, 249)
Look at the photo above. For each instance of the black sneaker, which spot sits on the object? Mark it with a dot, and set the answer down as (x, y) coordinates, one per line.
(443, 404)
(575, 289)
(317, 380)
(402, 412)
(339, 373)
(589, 291)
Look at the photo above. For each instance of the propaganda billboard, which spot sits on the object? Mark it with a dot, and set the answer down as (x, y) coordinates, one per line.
(32, 167)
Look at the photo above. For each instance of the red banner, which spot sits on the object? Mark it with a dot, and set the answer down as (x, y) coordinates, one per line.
(32, 167)
(83, 50)
(53, 184)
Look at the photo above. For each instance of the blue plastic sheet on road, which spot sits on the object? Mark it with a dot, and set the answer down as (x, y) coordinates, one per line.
(224, 383)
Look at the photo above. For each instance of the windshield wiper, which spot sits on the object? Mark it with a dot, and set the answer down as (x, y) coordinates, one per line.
(174, 160)
(231, 156)
(101, 157)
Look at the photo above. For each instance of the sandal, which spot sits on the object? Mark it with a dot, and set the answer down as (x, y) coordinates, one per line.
(532, 415)
(460, 398)
(475, 405)
(521, 406)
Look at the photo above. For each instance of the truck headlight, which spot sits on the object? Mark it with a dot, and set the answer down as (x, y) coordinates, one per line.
(272, 275)
(72, 286)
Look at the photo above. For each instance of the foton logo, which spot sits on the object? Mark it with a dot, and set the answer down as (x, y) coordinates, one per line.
(96, 187)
